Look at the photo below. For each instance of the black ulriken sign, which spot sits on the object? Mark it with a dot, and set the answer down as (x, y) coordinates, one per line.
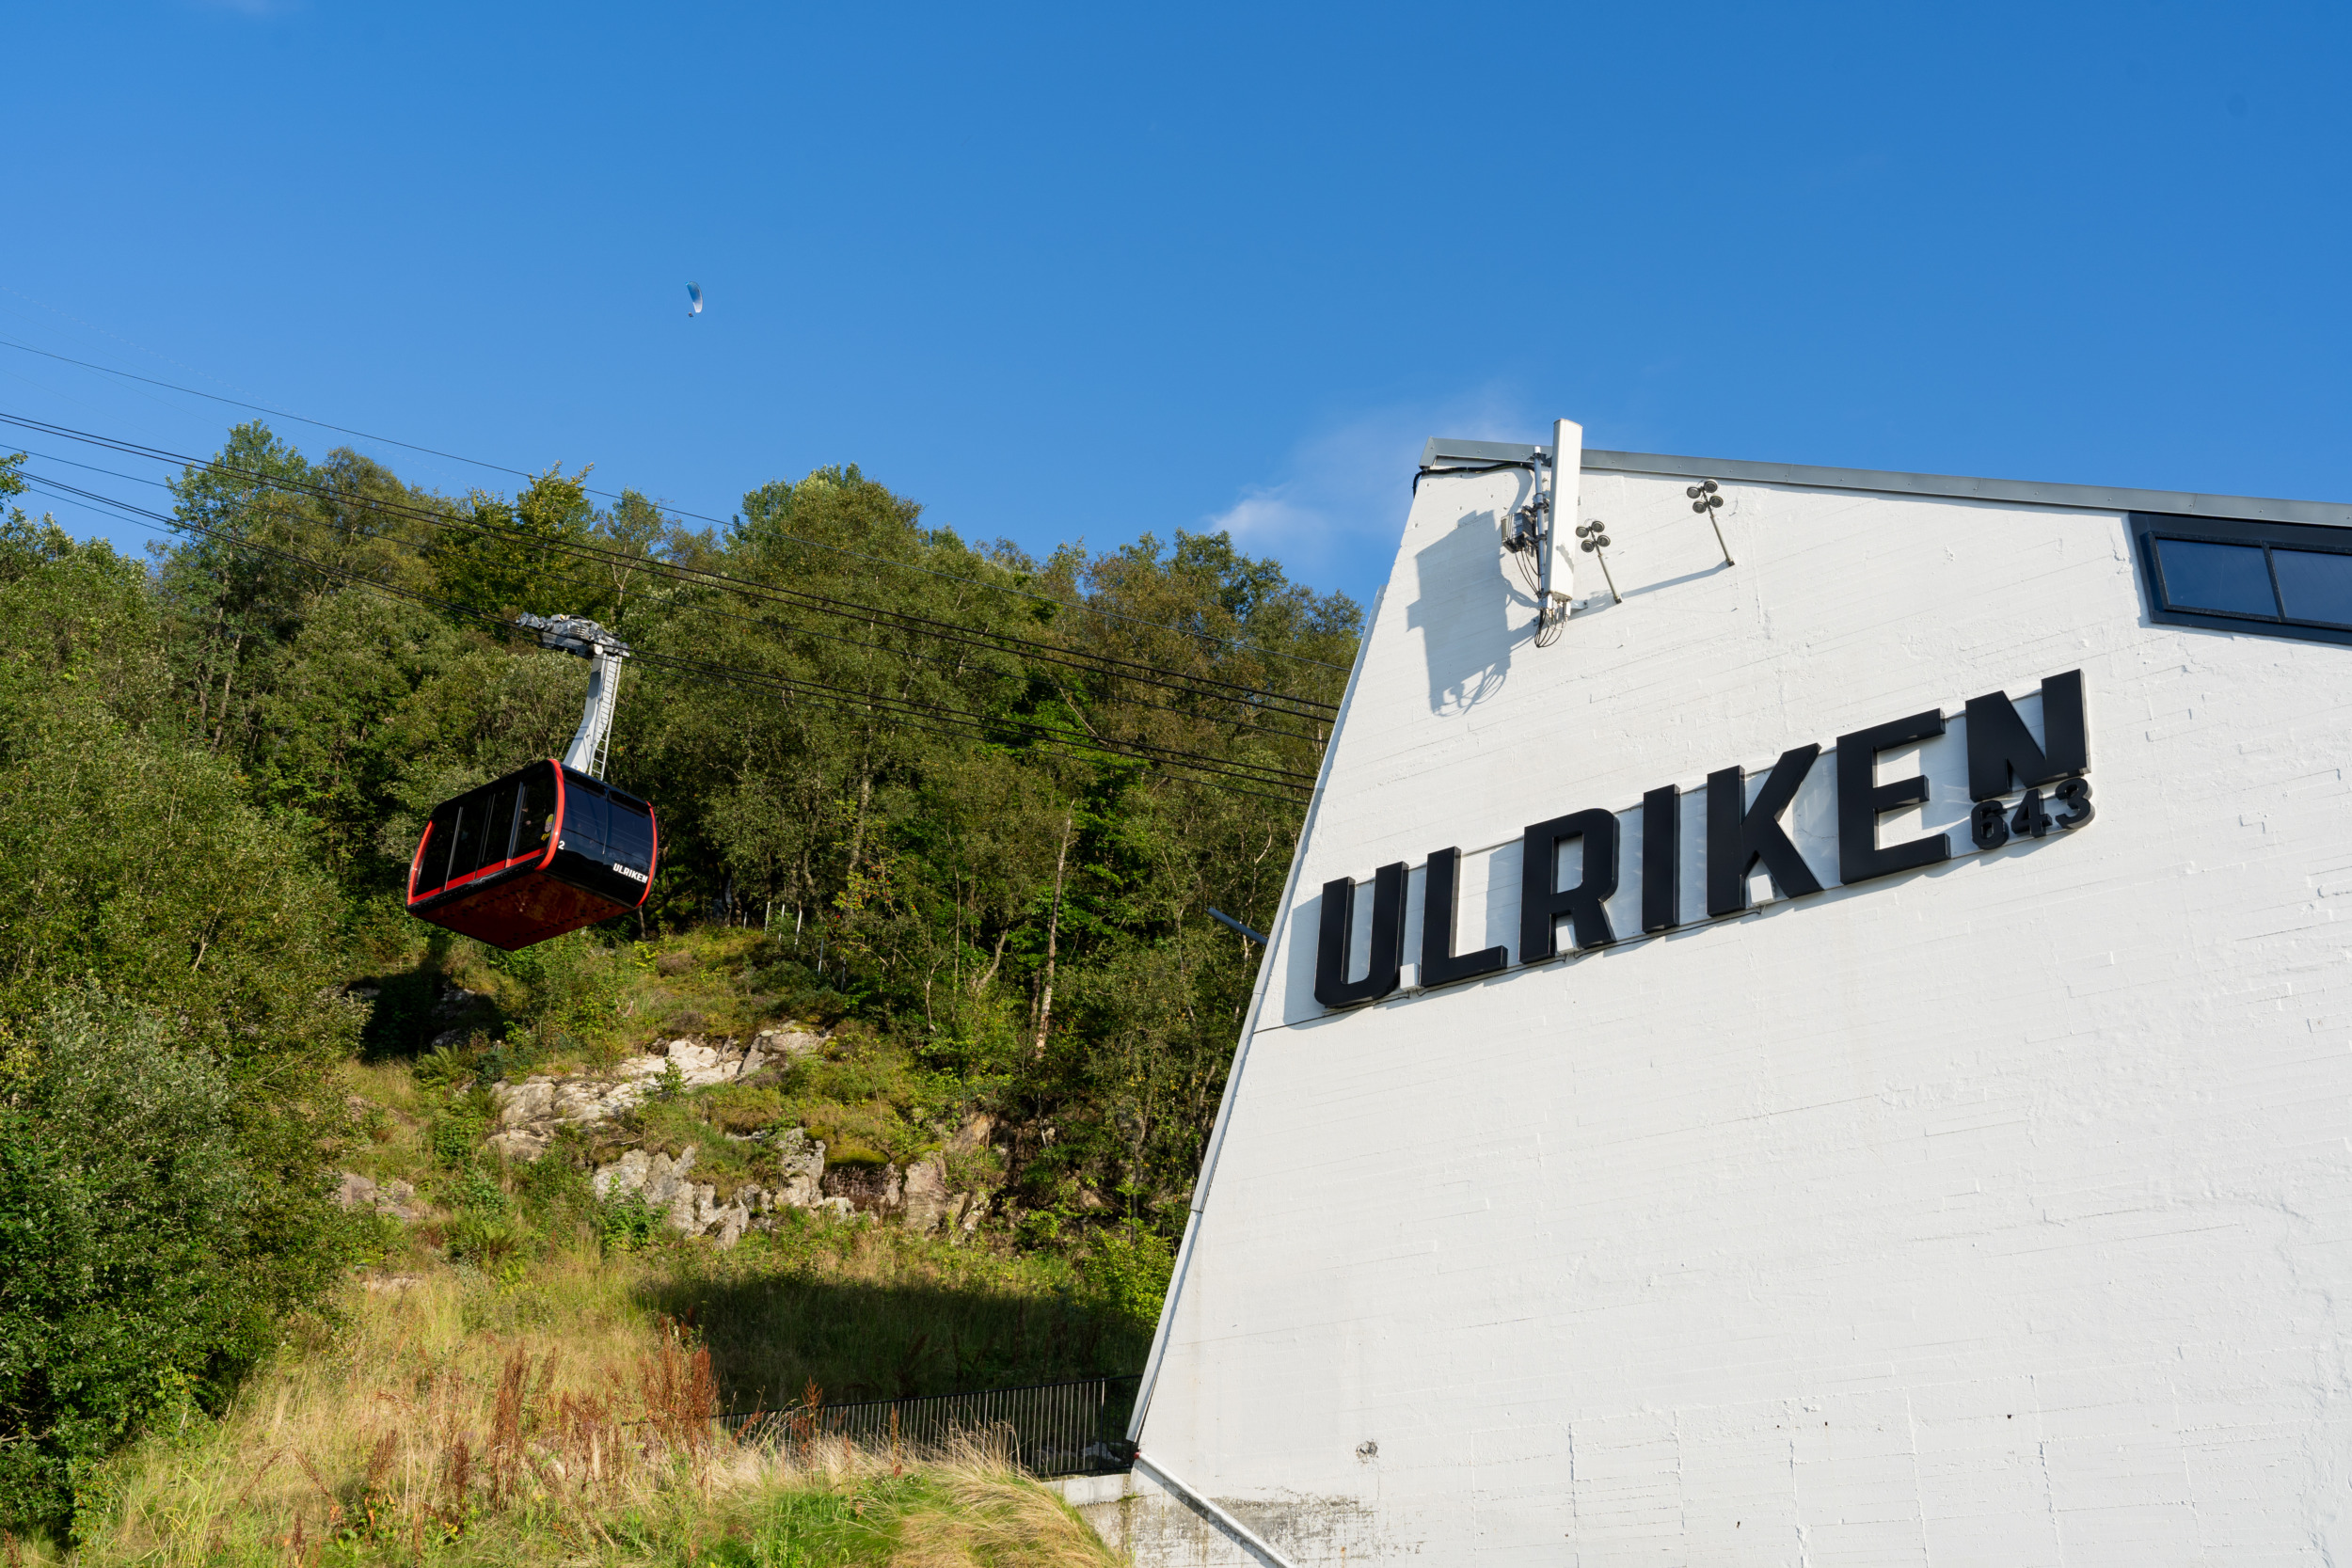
(1740, 834)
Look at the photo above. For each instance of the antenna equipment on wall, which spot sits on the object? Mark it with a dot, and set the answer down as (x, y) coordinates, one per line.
(1707, 499)
(1535, 528)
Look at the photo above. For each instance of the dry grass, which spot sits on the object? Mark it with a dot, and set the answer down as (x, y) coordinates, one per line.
(876, 1312)
(448, 1426)
(432, 1409)
(392, 1110)
(983, 1514)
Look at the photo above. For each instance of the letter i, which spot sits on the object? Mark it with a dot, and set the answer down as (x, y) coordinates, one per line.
(1661, 859)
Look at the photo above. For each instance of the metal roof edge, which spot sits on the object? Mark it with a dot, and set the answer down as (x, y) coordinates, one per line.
(2089, 498)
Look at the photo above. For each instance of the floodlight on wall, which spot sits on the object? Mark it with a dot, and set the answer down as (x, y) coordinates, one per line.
(1595, 540)
(1707, 499)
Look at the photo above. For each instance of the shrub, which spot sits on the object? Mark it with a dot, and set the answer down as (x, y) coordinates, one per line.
(446, 1068)
(487, 1241)
(1126, 1270)
(626, 1223)
(139, 1263)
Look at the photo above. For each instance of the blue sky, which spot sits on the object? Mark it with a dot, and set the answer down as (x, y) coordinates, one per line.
(1086, 272)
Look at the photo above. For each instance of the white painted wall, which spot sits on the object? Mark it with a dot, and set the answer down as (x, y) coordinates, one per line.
(1999, 1212)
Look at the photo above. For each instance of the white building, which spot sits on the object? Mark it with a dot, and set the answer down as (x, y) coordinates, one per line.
(1840, 1192)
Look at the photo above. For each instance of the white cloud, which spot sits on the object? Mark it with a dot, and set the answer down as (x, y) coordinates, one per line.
(1333, 517)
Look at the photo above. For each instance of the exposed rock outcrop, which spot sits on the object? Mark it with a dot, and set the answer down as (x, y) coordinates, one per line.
(973, 1135)
(666, 1182)
(870, 1189)
(926, 1204)
(793, 1171)
(396, 1199)
(918, 1196)
(530, 1112)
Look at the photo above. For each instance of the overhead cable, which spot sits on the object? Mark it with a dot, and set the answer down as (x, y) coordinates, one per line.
(815, 544)
(700, 577)
(765, 625)
(1224, 772)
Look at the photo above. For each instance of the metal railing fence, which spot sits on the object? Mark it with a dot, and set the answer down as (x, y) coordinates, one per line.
(1077, 1428)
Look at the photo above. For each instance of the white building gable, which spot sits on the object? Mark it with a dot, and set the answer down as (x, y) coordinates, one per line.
(1997, 1211)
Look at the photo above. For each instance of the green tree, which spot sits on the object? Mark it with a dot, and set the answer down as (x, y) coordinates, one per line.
(509, 557)
(128, 853)
(136, 1272)
(135, 867)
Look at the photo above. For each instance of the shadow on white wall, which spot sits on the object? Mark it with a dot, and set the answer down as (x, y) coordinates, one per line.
(1465, 613)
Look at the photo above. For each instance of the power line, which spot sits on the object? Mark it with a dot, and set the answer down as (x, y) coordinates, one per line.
(1108, 664)
(1140, 751)
(680, 512)
(257, 407)
(110, 473)
(898, 709)
(713, 610)
(901, 711)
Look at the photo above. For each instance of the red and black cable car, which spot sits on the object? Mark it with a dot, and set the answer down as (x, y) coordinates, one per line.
(544, 850)
(551, 848)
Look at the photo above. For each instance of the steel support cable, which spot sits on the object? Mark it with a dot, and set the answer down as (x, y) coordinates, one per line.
(1105, 664)
(766, 626)
(1255, 772)
(992, 732)
(953, 722)
(898, 653)
(813, 544)
(1147, 746)
(939, 719)
(928, 721)
(781, 630)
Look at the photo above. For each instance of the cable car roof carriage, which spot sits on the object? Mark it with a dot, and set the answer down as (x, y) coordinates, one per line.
(550, 848)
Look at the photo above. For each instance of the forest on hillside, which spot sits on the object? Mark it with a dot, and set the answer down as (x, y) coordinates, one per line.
(979, 804)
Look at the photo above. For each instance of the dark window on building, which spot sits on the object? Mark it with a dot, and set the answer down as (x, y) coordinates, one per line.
(2315, 585)
(2227, 579)
(2280, 580)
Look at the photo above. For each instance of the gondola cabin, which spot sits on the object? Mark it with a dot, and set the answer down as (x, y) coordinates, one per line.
(542, 852)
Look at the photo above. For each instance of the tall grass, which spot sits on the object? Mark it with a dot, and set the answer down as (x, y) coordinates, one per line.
(870, 1312)
(454, 1422)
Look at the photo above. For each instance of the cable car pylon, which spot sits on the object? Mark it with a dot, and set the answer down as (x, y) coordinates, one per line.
(552, 846)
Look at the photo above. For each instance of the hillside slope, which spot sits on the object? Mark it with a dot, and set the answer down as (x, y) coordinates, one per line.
(894, 1083)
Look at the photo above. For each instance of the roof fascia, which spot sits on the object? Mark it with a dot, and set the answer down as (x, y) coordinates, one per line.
(1443, 450)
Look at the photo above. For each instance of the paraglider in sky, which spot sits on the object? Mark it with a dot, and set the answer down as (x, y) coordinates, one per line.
(694, 292)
